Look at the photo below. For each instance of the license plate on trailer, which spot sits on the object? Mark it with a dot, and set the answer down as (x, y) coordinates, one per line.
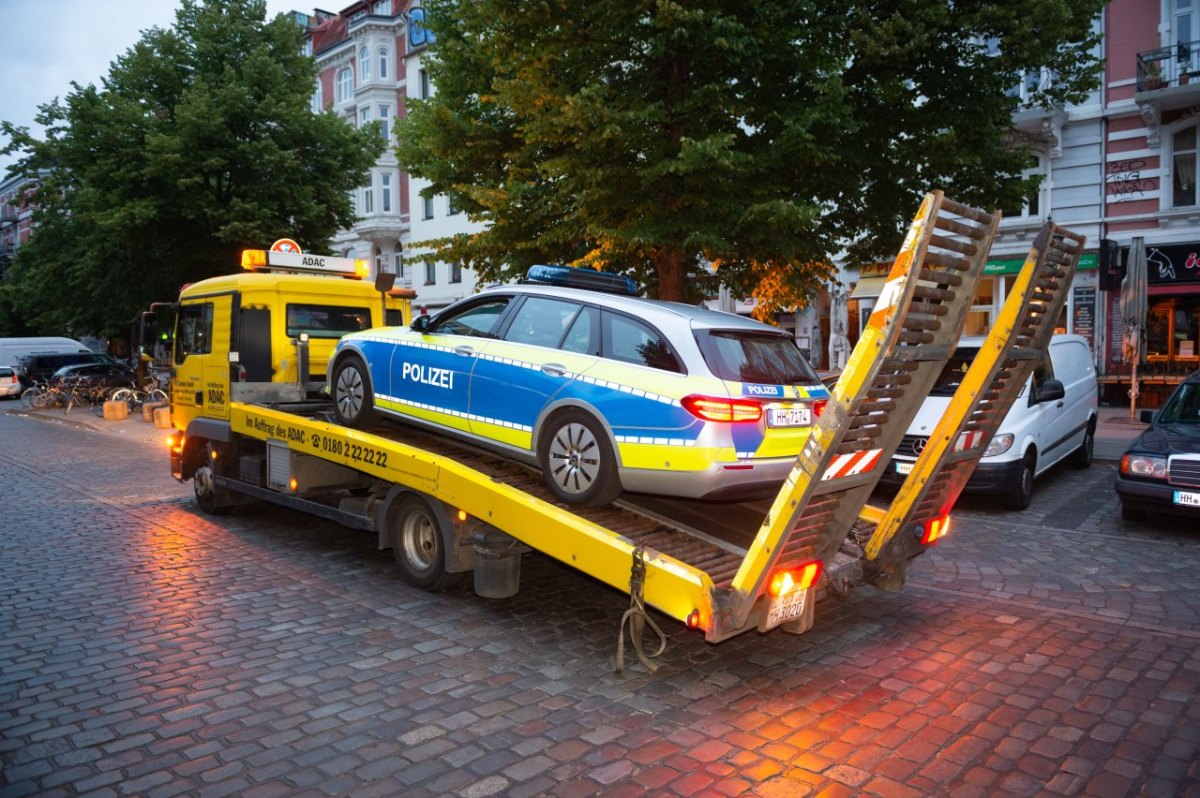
(786, 608)
(789, 417)
(1187, 499)
(904, 468)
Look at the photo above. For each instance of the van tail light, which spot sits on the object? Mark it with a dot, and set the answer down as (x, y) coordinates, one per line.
(935, 529)
(718, 408)
(788, 580)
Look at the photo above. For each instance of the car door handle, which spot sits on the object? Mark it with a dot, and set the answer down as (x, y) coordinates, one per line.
(465, 351)
(553, 369)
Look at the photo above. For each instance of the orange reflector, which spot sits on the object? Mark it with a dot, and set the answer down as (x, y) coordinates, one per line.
(293, 484)
(693, 620)
(802, 577)
(935, 530)
(213, 454)
(462, 515)
(717, 408)
(254, 259)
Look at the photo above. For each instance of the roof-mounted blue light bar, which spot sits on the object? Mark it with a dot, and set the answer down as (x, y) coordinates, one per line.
(573, 277)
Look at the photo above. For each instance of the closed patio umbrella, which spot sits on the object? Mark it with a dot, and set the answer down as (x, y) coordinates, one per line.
(1133, 313)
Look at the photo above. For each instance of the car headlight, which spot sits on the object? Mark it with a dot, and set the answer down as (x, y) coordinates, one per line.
(999, 445)
(1144, 466)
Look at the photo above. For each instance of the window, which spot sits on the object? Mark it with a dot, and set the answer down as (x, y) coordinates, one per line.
(1184, 170)
(423, 84)
(385, 192)
(318, 100)
(582, 337)
(326, 321)
(384, 63)
(632, 341)
(383, 8)
(477, 319)
(451, 209)
(399, 264)
(345, 85)
(426, 207)
(364, 116)
(430, 274)
(542, 322)
(455, 273)
(1031, 209)
(755, 357)
(368, 200)
(385, 119)
(195, 331)
(364, 65)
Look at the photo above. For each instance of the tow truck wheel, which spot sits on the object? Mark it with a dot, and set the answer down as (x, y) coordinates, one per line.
(352, 402)
(578, 463)
(418, 546)
(208, 494)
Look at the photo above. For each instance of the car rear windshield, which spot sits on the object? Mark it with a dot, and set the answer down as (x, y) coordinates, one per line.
(755, 357)
(948, 381)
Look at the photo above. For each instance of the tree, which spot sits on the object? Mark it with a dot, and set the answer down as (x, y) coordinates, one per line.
(762, 136)
(199, 143)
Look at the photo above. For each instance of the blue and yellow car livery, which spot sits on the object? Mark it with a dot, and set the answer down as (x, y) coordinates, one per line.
(525, 369)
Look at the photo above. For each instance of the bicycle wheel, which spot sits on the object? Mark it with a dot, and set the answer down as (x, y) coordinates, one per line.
(28, 396)
(157, 395)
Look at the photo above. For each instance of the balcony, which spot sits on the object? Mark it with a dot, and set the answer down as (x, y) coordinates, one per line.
(1167, 79)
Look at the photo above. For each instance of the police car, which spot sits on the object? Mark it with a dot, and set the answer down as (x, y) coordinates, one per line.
(603, 390)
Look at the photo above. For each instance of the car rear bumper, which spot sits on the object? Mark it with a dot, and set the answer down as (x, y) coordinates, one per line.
(1153, 497)
(721, 481)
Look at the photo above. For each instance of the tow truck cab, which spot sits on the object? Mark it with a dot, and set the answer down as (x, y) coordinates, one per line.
(265, 334)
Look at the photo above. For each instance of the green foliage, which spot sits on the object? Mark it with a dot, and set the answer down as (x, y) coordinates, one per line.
(764, 136)
(199, 143)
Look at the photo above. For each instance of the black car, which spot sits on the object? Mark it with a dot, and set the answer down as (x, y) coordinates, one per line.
(1160, 472)
(107, 375)
(38, 368)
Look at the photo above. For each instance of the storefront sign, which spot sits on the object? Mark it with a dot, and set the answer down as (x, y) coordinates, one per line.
(1173, 264)
(1087, 261)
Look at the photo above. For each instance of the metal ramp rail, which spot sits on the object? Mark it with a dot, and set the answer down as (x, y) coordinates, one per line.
(1016, 343)
(912, 332)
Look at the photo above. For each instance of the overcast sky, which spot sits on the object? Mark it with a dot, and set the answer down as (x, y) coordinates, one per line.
(44, 45)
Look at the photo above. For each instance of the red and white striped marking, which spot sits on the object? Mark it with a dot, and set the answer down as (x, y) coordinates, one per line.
(845, 465)
(968, 440)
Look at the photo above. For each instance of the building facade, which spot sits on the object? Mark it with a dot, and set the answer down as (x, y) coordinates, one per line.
(370, 61)
(16, 216)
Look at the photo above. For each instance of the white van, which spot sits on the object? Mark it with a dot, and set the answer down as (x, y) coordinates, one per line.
(1054, 418)
(12, 350)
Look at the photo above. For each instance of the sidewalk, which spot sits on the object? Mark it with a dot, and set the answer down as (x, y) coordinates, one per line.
(131, 428)
(1115, 430)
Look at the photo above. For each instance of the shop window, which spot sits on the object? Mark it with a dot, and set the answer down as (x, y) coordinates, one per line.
(1173, 335)
(1184, 168)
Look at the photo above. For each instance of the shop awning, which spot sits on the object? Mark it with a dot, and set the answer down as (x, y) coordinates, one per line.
(1174, 288)
(868, 288)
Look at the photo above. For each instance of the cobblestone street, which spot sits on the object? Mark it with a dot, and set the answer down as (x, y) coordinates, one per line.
(151, 650)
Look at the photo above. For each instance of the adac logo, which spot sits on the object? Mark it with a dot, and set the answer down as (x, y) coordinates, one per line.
(286, 245)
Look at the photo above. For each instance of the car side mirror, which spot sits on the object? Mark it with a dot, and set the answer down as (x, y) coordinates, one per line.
(1146, 417)
(1051, 391)
(420, 323)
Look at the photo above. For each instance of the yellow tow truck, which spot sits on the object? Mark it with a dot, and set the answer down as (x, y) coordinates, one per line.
(252, 424)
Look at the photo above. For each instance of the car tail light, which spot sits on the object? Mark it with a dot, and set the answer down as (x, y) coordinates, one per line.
(818, 407)
(717, 408)
(935, 530)
(801, 577)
